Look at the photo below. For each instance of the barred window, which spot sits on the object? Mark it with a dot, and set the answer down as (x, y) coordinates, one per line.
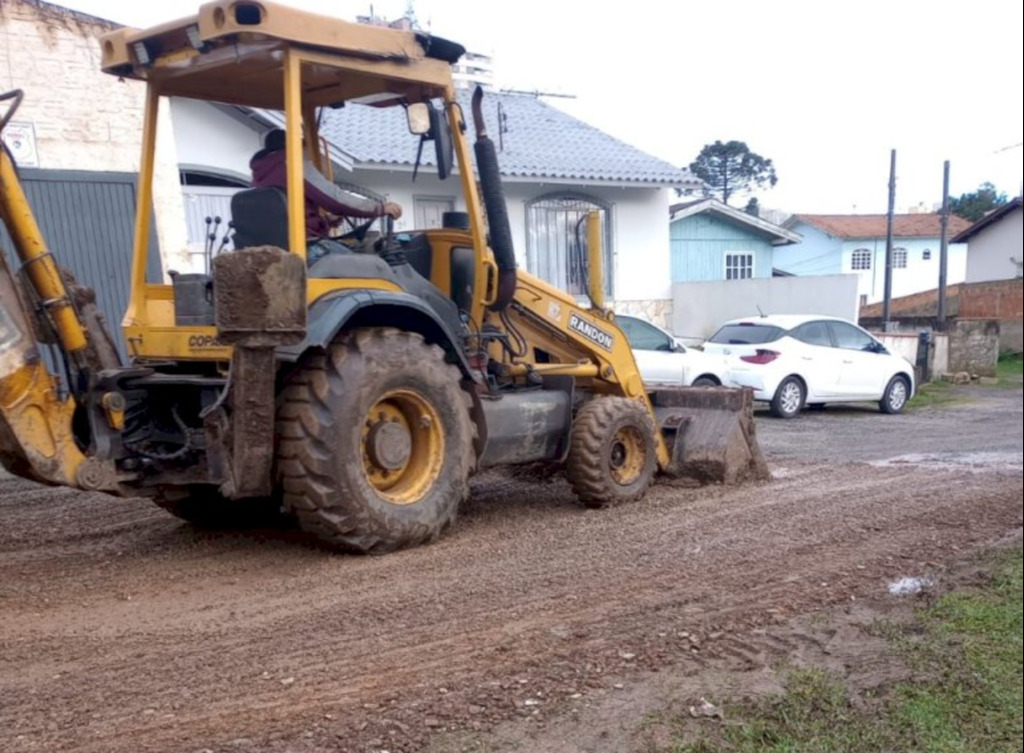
(861, 259)
(899, 258)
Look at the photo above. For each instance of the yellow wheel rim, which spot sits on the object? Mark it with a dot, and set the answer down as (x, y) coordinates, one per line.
(403, 446)
(628, 455)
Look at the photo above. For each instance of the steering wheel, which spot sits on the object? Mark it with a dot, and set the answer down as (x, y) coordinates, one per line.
(17, 95)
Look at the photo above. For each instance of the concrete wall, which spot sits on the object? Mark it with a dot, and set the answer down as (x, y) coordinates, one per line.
(81, 118)
(993, 250)
(699, 308)
(906, 345)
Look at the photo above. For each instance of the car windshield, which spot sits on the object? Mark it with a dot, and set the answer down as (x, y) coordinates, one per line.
(747, 334)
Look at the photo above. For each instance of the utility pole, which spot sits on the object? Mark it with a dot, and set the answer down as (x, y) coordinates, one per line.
(887, 302)
(944, 246)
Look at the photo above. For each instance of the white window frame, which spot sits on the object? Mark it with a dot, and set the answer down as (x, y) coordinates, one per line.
(899, 258)
(739, 268)
(863, 253)
(926, 255)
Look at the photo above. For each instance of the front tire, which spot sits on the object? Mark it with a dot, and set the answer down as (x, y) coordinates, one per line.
(789, 398)
(375, 442)
(896, 395)
(705, 381)
(611, 452)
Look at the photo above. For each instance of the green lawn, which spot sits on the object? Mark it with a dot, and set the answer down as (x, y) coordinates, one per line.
(965, 659)
(1011, 365)
(933, 393)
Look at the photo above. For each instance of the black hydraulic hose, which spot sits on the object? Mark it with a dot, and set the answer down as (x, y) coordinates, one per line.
(494, 203)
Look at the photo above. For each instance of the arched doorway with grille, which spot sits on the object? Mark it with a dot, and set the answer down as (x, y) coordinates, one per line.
(556, 238)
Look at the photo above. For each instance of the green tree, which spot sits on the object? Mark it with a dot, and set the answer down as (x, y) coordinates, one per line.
(973, 206)
(731, 167)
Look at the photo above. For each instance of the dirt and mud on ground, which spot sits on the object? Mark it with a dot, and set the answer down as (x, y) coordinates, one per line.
(534, 625)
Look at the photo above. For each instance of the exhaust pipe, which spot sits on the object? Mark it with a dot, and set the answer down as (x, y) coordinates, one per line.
(494, 203)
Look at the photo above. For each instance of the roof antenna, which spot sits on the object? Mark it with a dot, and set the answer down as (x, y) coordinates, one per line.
(760, 311)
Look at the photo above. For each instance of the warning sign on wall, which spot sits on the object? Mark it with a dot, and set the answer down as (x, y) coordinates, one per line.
(20, 138)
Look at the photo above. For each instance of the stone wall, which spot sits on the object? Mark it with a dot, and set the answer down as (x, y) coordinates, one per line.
(1011, 337)
(657, 311)
(974, 346)
(82, 118)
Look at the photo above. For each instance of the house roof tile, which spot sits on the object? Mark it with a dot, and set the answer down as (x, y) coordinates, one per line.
(874, 225)
(536, 141)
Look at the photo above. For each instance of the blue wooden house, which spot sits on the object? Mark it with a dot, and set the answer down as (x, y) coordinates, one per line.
(712, 241)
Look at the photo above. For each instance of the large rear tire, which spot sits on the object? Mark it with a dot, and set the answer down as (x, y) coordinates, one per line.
(612, 456)
(375, 442)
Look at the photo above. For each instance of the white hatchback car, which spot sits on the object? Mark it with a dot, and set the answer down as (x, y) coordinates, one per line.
(793, 361)
(663, 359)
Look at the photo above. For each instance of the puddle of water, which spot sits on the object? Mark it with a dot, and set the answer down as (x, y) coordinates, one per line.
(978, 462)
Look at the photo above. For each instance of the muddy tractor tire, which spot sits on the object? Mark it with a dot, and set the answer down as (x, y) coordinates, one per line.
(204, 507)
(375, 442)
(612, 457)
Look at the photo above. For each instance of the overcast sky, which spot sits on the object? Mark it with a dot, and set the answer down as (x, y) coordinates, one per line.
(825, 89)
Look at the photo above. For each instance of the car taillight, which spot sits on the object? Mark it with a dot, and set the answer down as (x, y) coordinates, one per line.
(761, 357)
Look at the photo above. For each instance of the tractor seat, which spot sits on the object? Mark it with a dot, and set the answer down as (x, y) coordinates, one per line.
(261, 218)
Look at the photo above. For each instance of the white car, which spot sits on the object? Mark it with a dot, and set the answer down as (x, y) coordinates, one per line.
(663, 359)
(794, 361)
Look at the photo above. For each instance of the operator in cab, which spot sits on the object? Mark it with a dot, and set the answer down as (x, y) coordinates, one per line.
(268, 171)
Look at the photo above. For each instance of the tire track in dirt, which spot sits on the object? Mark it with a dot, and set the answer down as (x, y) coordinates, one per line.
(538, 589)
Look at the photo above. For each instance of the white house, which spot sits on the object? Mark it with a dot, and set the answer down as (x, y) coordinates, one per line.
(554, 167)
(856, 243)
(994, 244)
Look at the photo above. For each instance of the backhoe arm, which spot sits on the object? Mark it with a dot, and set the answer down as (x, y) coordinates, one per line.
(36, 438)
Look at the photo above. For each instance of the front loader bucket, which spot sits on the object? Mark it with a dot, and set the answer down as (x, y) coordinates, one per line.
(710, 434)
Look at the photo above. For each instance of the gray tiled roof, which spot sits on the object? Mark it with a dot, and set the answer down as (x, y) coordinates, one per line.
(539, 142)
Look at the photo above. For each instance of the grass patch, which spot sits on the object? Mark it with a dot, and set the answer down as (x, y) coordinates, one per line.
(965, 655)
(1010, 365)
(933, 393)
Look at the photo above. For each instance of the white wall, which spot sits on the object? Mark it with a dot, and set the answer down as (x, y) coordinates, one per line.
(639, 222)
(207, 136)
(700, 308)
(991, 252)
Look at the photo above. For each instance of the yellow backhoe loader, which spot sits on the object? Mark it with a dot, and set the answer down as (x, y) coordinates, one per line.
(355, 392)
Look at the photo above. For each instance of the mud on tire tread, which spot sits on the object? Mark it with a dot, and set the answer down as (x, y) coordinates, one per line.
(588, 465)
(319, 446)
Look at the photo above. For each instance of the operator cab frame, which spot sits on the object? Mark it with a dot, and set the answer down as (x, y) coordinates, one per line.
(266, 56)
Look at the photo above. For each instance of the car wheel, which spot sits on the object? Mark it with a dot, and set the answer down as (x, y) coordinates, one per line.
(895, 397)
(705, 381)
(789, 398)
